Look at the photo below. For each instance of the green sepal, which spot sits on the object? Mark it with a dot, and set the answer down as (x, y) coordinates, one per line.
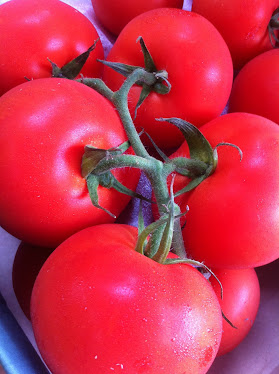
(72, 69)
(123, 69)
(160, 84)
(92, 185)
(272, 27)
(191, 185)
(149, 64)
(158, 150)
(227, 320)
(146, 232)
(199, 147)
(92, 156)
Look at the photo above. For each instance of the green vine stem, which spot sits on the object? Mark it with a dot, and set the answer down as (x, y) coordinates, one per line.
(156, 170)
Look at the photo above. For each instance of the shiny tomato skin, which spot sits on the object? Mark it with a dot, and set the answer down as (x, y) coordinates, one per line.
(199, 70)
(256, 87)
(45, 125)
(115, 14)
(113, 309)
(33, 31)
(243, 25)
(240, 304)
(232, 220)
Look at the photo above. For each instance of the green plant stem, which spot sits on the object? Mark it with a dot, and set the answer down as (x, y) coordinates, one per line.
(155, 170)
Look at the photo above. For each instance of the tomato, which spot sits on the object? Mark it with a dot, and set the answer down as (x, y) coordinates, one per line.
(27, 263)
(99, 306)
(240, 304)
(243, 25)
(232, 220)
(199, 70)
(256, 87)
(33, 31)
(45, 124)
(114, 15)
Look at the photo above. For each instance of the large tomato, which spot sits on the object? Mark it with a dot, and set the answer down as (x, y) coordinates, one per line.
(99, 306)
(232, 220)
(243, 25)
(240, 303)
(45, 124)
(199, 69)
(256, 87)
(33, 31)
(114, 15)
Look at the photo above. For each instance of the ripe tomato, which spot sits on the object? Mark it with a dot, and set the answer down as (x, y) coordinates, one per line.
(199, 70)
(243, 25)
(256, 87)
(27, 263)
(33, 31)
(114, 15)
(232, 220)
(45, 124)
(99, 306)
(240, 303)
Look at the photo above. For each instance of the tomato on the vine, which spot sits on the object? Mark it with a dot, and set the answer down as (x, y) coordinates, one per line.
(99, 306)
(34, 31)
(244, 25)
(45, 125)
(240, 303)
(232, 220)
(256, 87)
(114, 15)
(199, 70)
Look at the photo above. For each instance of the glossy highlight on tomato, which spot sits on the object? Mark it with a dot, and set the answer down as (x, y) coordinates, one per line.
(232, 220)
(199, 70)
(113, 309)
(45, 125)
(33, 31)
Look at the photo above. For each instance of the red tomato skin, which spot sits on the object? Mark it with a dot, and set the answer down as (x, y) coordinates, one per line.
(114, 309)
(45, 125)
(200, 72)
(232, 220)
(115, 14)
(243, 25)
(27, 263)
(256, 87)
(240, 304)
(33, 31)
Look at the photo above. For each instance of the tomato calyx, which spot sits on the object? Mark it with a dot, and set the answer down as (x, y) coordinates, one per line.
(72, 69)
(273, 27)
(158, 83)
(92, 170)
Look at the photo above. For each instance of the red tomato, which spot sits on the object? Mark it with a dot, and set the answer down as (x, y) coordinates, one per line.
(243, 25)
(114, 15)
(27, 263)
(232, 220)
(99, 306)
(33, 31)
(240, 304)
(199, 70)
(45, 124)
(256, 87)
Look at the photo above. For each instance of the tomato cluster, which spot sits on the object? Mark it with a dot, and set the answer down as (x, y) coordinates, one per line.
(189, 98)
